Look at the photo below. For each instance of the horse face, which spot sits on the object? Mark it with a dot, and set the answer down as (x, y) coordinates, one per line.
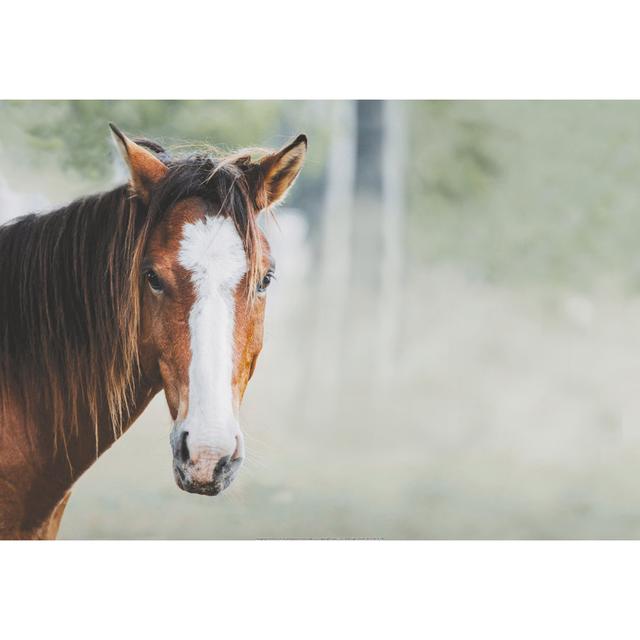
(203, 307)
(204, 330)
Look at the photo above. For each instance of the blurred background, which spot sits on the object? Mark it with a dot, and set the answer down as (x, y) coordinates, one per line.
(452, 345)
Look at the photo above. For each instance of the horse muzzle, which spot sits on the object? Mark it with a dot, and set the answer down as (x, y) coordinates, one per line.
(204, 469)
(223, 474)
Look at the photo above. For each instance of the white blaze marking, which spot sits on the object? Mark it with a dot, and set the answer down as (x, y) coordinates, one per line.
(212, 251)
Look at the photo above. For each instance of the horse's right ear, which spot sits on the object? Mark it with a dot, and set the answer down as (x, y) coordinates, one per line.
(145, 168)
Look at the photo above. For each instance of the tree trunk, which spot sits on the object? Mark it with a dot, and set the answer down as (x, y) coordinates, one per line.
(393, 205)
(335, 251)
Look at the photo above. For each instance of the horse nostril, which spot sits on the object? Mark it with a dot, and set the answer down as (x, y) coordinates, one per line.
(222, 463)
(225, 471)
(184, 448)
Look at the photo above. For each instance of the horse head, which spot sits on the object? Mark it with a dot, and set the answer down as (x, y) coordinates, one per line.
(205, 272)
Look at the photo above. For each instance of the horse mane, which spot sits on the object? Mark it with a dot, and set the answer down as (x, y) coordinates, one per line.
(71, 291)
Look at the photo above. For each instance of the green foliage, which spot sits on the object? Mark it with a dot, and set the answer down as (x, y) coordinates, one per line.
(537, 193)
(75, 132)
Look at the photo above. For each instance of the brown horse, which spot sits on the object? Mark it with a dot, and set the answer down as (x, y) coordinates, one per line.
(158, 284)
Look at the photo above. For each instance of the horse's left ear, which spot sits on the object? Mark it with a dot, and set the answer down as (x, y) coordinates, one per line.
(145, 168)
(278, 171)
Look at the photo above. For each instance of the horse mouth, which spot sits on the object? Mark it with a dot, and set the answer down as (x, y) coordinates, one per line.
(223, 475)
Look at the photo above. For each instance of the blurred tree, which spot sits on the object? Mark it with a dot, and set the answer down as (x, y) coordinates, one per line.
(74, 133)
(335, 246)
(394, 163)
(368, 194)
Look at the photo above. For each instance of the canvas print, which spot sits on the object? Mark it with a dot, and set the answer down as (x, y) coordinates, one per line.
(319, 319)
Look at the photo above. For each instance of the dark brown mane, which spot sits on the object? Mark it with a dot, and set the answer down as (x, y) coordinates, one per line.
(70, 291)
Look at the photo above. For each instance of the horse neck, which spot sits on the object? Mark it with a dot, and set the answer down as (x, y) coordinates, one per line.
(83, 447)
(36, 473)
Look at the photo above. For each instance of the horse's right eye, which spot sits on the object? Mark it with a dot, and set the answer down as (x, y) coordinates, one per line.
(154, 281)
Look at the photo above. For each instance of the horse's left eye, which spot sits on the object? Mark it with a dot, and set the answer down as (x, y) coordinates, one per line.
(265, 282)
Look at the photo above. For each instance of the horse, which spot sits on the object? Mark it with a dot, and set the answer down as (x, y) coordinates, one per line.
(158, 284)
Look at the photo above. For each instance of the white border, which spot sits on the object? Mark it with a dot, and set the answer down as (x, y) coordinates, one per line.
(328, 49)
(320, 590)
